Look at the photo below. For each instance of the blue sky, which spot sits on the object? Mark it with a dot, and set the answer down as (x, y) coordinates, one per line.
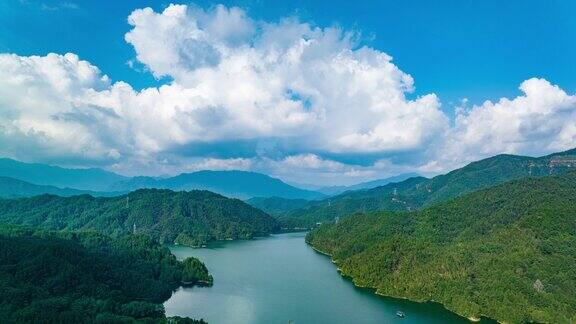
(457, 48)
(479, 50)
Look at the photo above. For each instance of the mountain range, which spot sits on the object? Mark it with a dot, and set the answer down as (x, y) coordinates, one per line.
(335, 190)
(28, 179)
(14, 188)
(237, 184)
(41, 174)
(20, 179)
(417, 192)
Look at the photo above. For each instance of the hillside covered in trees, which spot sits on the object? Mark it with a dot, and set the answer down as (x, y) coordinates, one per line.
(418, 192)
(505, 252)
(189, 218)
(66, 277)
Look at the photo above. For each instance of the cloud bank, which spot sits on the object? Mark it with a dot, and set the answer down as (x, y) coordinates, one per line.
(286, 97)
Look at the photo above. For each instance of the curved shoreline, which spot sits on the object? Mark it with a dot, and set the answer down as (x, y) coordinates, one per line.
(376, 292)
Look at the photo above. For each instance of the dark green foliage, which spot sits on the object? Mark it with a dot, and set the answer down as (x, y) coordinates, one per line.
(195, 272)
(507, 252)
(184, 320)
(66, 277)
(419, 192)
(190, 218)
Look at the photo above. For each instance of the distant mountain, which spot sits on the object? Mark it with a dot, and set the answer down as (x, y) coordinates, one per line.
(188, 218)
(335, 190)
(417, 192)
(506, 252)
(237, 184)
(14, 188)
(42, 174)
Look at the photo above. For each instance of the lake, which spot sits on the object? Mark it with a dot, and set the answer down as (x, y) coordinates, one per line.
(279, 279)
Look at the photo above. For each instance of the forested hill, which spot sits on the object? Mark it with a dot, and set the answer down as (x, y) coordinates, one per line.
(14, 188)
(49, 277)
(416, 192)
(505, 252)
(189, 218)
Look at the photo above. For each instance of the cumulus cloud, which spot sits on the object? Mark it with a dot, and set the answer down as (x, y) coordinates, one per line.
(290, 97)
(286, 79)
(42, 112)
(541, 120)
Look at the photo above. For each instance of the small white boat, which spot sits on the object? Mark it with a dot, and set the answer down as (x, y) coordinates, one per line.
(400, 314)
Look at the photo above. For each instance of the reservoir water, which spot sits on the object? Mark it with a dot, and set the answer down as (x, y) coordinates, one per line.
(280, 279)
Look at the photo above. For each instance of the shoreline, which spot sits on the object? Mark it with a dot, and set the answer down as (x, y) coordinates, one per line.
(376, 292)
(224, 240)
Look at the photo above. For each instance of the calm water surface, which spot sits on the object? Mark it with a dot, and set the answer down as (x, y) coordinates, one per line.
(280, 279)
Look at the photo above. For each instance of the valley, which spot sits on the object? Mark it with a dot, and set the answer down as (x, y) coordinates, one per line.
(480, 241)
(287, 162)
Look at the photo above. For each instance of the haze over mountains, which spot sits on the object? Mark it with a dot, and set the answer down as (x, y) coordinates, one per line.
(416, 192)
(237, 184)
(14, 188)
(20, 179)
(335, 190)
(29, 179)
(188, 218)
(42, 174)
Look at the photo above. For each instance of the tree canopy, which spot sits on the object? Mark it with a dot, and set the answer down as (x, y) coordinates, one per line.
(86, 277)
(189, 218)
(505, 252)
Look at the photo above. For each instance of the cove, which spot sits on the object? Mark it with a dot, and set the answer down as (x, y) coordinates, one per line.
(280, 279)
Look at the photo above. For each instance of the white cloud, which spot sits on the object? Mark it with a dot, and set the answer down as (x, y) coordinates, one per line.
(286, 80)
(41, 108)
(540, 121)
(297, 91)
(221, 164)
(314, 170)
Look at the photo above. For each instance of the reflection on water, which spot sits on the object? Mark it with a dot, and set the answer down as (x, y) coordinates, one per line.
(280, 279)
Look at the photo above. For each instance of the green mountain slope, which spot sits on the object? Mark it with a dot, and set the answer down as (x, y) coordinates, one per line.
(49, 277)
(506, 252)
(14, 188)
(190, 218)
(417, 192)
(42, 174)
(335, 190)
(237, 184)
(277, 205)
